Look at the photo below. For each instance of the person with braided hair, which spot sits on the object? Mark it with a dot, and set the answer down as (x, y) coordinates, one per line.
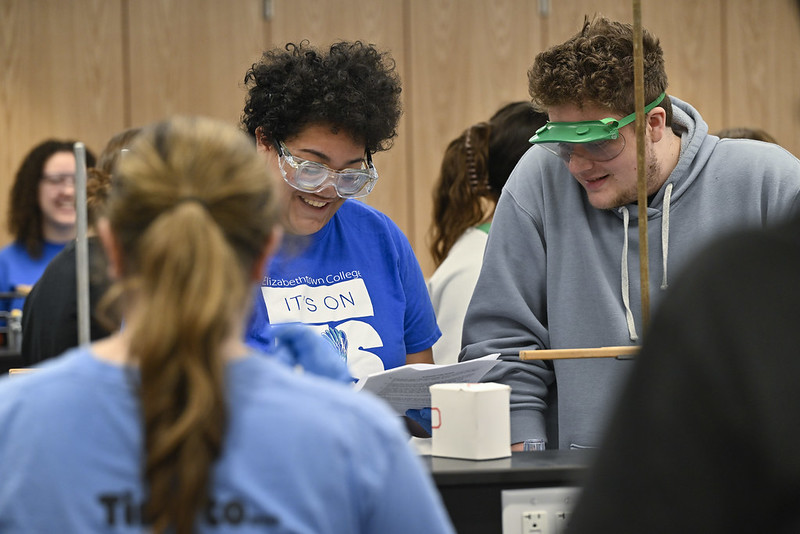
(475, 167)
(174, 424)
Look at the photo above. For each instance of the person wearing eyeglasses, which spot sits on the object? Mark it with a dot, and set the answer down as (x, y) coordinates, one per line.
(50, 315)
(41, 216)
(344, 269)
(561, 268)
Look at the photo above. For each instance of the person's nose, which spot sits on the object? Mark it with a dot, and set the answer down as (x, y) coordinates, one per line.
(578, 164)
(328, 187)
(328, 191)
(66, 191)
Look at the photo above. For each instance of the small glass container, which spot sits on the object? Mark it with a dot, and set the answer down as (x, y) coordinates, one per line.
(533, 445)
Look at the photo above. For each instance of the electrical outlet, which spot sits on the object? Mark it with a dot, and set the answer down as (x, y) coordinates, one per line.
(560, 522)
(535, 522)
(537, 510)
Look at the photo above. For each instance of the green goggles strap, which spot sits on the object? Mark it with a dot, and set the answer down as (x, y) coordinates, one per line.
(624, 121)
(587, 131)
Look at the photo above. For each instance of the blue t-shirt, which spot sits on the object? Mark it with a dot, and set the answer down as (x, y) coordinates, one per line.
(301, 454)
(356, 282)
(17, 268)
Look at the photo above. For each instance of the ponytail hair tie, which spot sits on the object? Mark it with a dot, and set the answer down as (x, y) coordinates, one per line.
(194, 199)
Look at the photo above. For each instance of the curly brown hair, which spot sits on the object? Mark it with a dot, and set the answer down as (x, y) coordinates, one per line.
(107, 160)
(352, 86)
(98, 187)
(24, 214)
(595, 67)
(98, 179)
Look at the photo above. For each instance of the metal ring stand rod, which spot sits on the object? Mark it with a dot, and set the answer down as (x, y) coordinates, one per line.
(81, 244)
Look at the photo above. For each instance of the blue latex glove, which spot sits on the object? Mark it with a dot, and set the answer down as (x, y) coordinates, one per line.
(421, 416)
(297, 344)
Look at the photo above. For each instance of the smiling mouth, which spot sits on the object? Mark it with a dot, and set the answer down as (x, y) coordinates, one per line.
(593, 183)
(314, 203)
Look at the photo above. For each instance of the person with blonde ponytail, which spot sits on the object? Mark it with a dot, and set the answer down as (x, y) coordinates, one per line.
(175, 425)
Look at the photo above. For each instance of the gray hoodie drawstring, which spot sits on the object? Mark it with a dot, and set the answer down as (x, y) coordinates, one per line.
(665, 235)
(626, 299)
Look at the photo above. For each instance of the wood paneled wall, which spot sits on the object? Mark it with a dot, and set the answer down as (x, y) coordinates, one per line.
(88, 68)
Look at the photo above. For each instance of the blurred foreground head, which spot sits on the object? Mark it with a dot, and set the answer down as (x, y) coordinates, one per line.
(190, 218)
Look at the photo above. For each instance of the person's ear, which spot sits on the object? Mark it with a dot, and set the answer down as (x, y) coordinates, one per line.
(113, 253)
(263, 144)
(271, 246)
(657, 123)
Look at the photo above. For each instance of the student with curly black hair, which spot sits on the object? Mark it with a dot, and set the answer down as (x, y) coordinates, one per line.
(344, 268)
(41, 215)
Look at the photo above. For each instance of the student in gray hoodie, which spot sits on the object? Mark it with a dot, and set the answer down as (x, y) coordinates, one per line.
(561, 268)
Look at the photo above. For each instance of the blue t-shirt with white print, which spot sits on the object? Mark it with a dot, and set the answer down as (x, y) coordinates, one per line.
(357, 283)
(19, 271)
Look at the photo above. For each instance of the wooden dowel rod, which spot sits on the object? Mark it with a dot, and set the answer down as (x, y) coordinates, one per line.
(21, 370)
(563, 354)
(641, 164)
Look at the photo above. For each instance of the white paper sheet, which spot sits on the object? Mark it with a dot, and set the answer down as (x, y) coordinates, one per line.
(407, 386)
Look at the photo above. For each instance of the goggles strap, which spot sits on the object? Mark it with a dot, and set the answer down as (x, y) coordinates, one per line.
(624, 121)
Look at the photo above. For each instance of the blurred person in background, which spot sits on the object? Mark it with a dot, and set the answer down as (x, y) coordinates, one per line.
(756, 134)
(50, 314)
(41, 216)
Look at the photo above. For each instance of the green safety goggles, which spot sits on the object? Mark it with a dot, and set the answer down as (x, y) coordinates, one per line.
(593, 140)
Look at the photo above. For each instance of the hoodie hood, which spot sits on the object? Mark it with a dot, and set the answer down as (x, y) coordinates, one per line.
(696, 147)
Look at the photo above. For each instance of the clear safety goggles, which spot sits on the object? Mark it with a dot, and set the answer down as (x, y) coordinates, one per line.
(59, 180)
(313, 177)
(592, 140)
